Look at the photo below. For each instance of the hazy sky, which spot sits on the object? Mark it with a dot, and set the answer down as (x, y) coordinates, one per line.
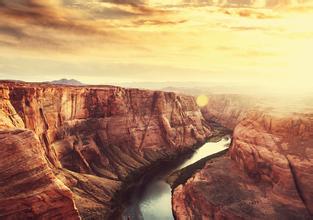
(106, 41)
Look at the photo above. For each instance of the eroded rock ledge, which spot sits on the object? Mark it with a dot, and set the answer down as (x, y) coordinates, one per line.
(65, 151)
(268, 173)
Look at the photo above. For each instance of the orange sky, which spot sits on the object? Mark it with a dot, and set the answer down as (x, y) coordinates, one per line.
(112, 41)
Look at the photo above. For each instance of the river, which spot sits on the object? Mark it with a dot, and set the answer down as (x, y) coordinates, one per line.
(152, 200)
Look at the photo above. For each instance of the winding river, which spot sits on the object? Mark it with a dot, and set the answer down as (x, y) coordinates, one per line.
(152, 200)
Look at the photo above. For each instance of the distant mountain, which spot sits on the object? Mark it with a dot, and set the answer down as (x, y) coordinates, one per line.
(72, 82)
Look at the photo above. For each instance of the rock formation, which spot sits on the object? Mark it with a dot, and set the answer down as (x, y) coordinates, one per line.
(67, 151)
(268, 173)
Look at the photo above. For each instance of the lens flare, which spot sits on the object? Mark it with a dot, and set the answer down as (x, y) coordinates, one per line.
(202, 100)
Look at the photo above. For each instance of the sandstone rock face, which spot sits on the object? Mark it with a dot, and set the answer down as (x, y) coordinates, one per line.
(228, 110)
(28, 187)
(267, 175)
(222, 191)
(8, 116)
(277, 150)
(91, 141)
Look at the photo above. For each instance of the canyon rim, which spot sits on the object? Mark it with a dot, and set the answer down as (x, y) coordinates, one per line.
(156, 110)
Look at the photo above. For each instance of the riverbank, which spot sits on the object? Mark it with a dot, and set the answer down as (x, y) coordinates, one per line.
(181, 176)
(151, 190)
(126, 199)
(141, 177)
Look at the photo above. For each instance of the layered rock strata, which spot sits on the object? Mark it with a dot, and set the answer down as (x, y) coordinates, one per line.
(69, 150)
(268, 173)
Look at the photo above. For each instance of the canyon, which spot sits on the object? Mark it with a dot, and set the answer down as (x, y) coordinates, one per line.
(69, 152)
(267, 173)
(72, 152)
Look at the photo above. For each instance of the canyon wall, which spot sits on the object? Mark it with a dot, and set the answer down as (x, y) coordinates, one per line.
(228, 110)
(70, 150)
(268, 173)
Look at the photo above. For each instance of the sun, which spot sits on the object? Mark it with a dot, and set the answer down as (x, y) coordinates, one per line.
(202, 100)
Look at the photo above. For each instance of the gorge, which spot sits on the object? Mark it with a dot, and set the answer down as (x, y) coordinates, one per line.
(71, 152)
(156, 110)
(67, 151)
(267, 172)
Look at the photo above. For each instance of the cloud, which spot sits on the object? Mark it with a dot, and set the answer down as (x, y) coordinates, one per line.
(48, 14)
(117, 8)
(250, 13)
(131, 2)
(78, 25)
(157, 22)
(47, 25)
(71, 24)
(12, 31)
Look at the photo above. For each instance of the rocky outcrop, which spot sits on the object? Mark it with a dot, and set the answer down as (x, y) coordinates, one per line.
(277, 150)
(267, 175)
(222, 191)
(28, 187)
(78, 146)
(8, 116)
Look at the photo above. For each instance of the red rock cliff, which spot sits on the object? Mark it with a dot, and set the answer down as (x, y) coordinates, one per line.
(268, 173)
(70, 149)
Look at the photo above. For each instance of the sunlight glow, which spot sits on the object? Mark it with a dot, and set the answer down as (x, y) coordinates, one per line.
(202, 100)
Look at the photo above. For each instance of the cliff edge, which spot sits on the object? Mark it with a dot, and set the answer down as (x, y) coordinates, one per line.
(267, 174)
(67, 151)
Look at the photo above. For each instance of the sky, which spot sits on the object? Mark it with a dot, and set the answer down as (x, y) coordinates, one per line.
(253, 42)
